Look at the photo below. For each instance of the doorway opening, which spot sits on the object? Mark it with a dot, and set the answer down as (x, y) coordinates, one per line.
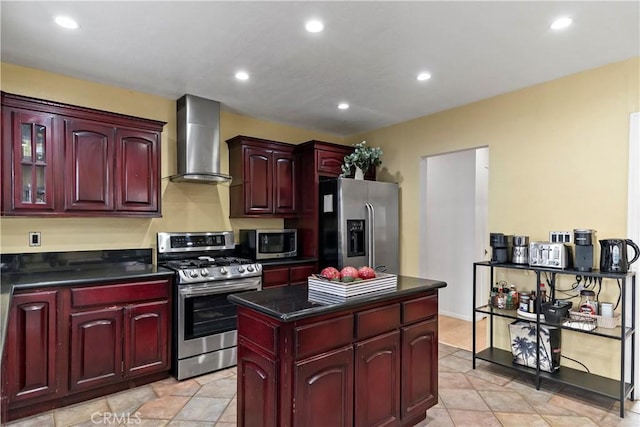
(454, 226)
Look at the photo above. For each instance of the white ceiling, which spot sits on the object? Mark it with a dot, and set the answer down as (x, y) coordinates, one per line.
(368, 55)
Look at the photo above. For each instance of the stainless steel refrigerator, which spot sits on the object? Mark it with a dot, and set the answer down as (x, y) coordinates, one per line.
(359, 224)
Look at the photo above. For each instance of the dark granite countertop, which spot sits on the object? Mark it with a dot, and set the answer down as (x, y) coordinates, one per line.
(291, 303)
(31, 271)
(286, 261)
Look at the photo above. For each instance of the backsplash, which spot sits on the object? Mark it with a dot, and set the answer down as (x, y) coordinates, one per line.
(72, 260)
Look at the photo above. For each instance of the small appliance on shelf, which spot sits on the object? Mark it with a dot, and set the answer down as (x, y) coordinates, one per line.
(501, 247)
(583, 240)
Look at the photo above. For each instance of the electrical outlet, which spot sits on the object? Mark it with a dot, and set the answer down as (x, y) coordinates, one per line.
(560, 236)
(34, 238)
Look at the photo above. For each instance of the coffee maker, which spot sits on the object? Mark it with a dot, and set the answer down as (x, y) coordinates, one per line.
(501, 247)
(520, 250)
(583, 239)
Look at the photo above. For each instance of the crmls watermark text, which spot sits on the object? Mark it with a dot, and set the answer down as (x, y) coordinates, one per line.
(115, 418)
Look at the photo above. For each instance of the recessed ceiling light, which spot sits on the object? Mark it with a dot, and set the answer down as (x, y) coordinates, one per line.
(66, 22)
(561, 23)
(242, 75)
(314, 26)
(423, 76)
(343, 106)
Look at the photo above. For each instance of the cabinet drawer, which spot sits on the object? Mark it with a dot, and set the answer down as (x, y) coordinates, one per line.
(322, 336)
(377, 321)
(275, 277)
(330, 162)
(119, 294)
(419, 308)
(300, 273)
(258, 332)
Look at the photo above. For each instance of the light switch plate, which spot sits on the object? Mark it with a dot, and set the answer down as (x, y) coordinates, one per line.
(34, 238)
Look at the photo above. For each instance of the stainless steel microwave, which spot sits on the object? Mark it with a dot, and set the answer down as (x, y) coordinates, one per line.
(269, 244)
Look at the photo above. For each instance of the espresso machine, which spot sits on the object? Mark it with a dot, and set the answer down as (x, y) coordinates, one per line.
(583, 240)
(501, 247)
(520, 250)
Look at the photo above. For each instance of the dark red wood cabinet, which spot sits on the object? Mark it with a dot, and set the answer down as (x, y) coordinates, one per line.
(65, 160)
(69, 344)
(287, 274)
(31, 359)
(321, 160)
(264, 178)
(371, 365)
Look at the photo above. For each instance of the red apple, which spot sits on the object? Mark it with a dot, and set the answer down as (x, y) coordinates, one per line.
(331, 273)
(366, 273)
(349, 274)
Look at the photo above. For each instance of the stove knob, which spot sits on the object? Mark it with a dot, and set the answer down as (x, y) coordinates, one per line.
(240, 269)
(223, 270)
(204, 272)
(193, 273)
(250, 268)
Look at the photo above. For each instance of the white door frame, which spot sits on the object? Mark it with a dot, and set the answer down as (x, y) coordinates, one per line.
(480, 235)
(633, 228)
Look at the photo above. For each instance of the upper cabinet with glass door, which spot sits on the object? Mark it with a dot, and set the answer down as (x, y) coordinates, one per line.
(60, 160)
(32, 155)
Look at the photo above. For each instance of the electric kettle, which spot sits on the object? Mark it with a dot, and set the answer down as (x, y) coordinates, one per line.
(613, 255)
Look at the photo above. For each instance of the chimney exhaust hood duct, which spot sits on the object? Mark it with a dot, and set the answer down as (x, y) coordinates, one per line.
(199, 141)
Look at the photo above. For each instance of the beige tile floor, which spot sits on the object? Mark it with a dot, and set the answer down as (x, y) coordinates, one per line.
(487, 396)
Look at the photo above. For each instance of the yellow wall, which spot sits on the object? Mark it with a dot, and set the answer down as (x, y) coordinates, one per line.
(185, 206)
(558, 161)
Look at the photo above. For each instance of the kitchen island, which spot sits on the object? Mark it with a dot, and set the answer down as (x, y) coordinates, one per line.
(367, 360)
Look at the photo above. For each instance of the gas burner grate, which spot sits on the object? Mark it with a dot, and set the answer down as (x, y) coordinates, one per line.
(206, 262)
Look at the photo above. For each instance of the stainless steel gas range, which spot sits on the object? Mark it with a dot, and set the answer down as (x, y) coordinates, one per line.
(204, 322)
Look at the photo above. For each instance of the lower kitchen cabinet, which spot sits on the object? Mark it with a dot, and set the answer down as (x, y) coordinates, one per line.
(324, 389)
(419, 355)
(287, 274)
(69, 344)
(377, 373)
(258, 373)
(369, 365)
(31, 364)
(90, 331)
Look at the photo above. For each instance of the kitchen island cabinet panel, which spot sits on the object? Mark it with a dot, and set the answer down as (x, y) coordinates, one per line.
(419, 367)
(30, 369)
(344, 364)
(324, 389)
(96, 348)
(377, 378)
(257, 389)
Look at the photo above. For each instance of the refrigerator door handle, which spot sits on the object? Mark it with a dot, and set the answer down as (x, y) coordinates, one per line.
(371, 241)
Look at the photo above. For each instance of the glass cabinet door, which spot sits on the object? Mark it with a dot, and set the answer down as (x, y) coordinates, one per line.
(33, 174)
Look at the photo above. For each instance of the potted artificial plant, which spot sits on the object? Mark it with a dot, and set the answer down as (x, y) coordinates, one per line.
(362, 159)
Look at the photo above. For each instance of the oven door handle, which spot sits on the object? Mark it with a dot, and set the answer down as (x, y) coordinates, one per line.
(218, 289)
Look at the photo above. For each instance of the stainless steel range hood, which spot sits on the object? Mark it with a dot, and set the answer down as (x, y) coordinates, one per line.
(199, 141)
